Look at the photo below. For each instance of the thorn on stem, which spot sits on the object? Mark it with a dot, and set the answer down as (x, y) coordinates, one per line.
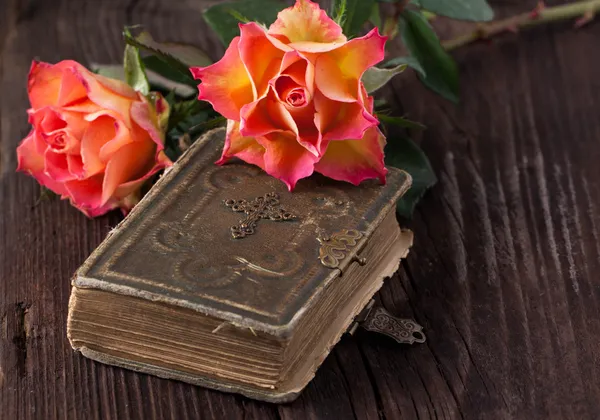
(586, 18)
(536, 13)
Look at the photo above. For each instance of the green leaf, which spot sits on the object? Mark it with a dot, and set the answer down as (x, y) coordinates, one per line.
(135, 73)
(189, 55)
(221, 20)
(475, 10)
(404, 154)
(375, 77)
(339, 8)
(424, 45)
(157, 65)
(355, 14)
(169, 59)
(375, 17)
(181, 111)
(411, 62)
(192, 122)
(399, 121)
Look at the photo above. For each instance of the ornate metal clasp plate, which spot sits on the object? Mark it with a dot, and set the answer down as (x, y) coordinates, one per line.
(377, 319)
(334, 249)
(265, 207)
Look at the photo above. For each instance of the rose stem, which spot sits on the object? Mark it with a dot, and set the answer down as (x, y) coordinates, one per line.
(585, 10)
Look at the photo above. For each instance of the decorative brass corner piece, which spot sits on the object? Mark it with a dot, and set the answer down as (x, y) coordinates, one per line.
(377, 319)
(265, 207)
(334, 249)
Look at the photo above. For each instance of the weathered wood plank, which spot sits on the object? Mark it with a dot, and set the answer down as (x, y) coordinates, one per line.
(502, 275)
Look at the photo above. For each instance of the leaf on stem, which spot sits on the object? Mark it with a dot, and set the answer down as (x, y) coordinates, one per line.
(190, 55)
(375, 77)
(411, 62)
(375, 17)
(161, 67)
(441, 71)
(355, 14)
(135, 73)
(221, 20)
(399, 121)
(145, 42)
(183, 110)
(404, 154)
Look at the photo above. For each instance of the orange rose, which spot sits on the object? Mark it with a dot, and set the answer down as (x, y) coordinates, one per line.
(294, 98)
(94, 140)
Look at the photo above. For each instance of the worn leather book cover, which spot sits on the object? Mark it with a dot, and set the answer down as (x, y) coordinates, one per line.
(262, 267)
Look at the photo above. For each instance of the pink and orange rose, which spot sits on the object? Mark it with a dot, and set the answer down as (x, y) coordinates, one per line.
(294, 99)
(94, 140)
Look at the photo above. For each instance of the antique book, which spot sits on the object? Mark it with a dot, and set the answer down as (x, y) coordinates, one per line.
(221, 277)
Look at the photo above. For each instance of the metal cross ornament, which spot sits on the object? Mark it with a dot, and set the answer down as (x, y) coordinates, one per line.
(265, 207)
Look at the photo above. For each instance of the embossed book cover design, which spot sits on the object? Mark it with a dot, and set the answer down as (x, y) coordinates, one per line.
(257, 263)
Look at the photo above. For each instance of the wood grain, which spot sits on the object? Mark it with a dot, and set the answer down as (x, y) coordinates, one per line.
(503, 274)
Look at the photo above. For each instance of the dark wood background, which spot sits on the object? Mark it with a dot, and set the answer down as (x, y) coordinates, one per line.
(504, 274)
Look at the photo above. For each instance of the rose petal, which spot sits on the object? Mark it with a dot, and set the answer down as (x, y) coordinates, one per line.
(306, 22)
(115, 86)
(100, 132)
(86, 195)
(338, 72)
(226, 84)
(301, 70)
(355, 160)
(85, 106)
(369, 101)
(286, 159)
(94, 138)
(265, 116)
(43, 85)
(244, 148)
(307, 135)
(315, 47)
(144, 115)
(46, 119)
(71, 88)
(108, 94)
(75, 165)
(39, 142)
(127, 189)
(131, 162)
(57, 166)
(341, 120)
(121, 137)
(261, 58)
(290, 58)
(29, 160)
(95, 212)
(128, 194)
(51, 122)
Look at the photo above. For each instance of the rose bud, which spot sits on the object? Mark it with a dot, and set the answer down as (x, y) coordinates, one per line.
(94, 140)
(294, 98)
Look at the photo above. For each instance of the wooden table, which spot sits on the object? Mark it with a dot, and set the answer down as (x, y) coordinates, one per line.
(504, 274)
